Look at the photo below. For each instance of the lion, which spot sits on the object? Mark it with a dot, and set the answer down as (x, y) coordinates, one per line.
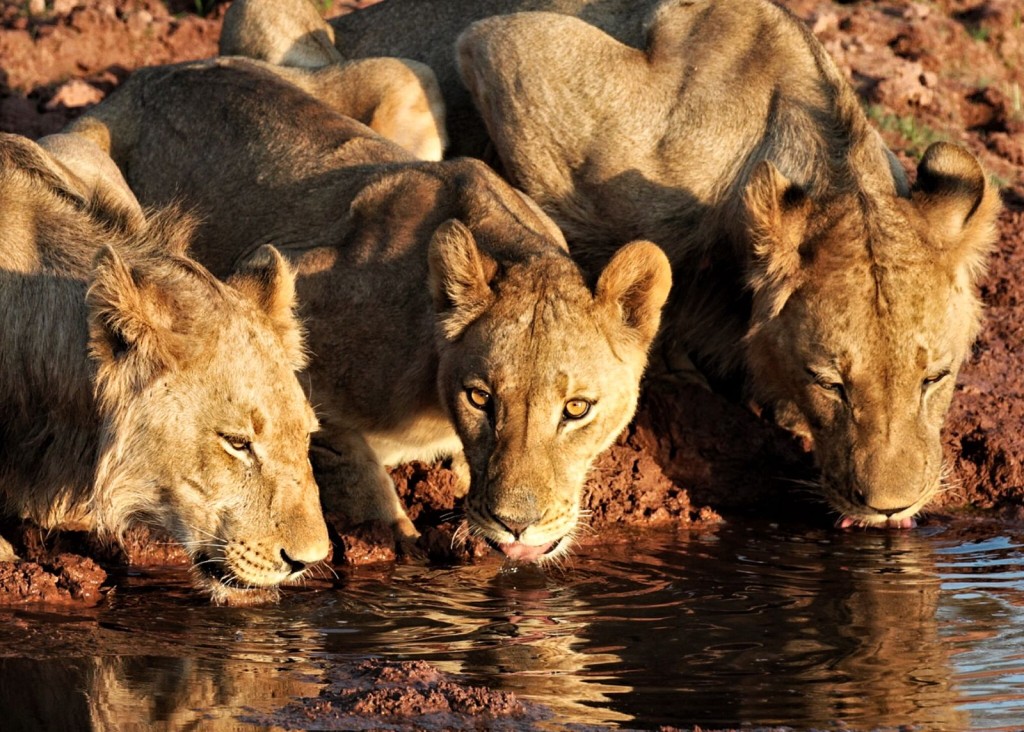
(135, 387)
(397, 98)
(805, 262)
(445, 315)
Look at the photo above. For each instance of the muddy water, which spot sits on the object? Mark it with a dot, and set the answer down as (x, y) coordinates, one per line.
(747, 624)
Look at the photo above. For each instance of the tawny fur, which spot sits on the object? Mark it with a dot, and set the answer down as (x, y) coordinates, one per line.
(724, 132)
(124, 365)
(421, 282)
(397, 98)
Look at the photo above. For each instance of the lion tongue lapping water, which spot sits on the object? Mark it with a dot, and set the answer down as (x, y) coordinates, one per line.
(525, 552)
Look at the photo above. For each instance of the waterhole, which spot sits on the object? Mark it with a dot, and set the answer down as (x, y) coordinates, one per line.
(753, 624)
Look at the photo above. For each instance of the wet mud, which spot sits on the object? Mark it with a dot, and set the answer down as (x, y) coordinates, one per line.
(410, 695)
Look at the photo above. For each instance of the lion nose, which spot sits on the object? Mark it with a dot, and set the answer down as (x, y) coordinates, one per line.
(516, 525)
(298, 558)
(295, 565)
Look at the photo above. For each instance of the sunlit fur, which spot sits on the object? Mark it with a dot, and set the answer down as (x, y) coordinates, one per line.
(528, 459)
(123, 366)
(397, 98)
(803, 256)
(422, 281)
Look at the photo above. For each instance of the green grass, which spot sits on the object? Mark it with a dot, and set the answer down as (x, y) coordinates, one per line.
(204, 6)
(917, 136)
(998, 181)
(978, 33)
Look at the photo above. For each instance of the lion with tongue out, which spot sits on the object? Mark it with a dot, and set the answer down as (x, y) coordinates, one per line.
(443, 311)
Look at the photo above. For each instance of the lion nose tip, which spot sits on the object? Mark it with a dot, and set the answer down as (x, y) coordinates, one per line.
(515, 525)
(296, 565)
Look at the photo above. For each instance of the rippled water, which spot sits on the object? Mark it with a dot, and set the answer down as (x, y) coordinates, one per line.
(749, 623)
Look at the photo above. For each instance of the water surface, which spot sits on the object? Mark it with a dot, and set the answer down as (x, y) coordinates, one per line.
(746, 624)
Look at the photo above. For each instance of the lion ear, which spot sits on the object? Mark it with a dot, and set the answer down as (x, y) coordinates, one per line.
(636, 283)
(269, 281)
(960, 207)
(778, 212)
(130, 321)
(460, 277)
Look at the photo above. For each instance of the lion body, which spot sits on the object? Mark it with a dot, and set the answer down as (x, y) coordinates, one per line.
(422, 284)
(803, 259)
(397, 98)
(117, 377)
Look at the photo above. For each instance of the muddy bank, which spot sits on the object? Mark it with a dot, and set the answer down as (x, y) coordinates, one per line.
(409, 695)
(67, 567)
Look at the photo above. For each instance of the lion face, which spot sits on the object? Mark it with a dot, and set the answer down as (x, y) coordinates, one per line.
(539, 375)
(206, 428)
(861, 329)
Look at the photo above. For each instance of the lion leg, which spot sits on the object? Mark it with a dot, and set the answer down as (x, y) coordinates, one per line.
(353, 482)
(397, 98)
(94, 167)
(460, 466)
(410, 110)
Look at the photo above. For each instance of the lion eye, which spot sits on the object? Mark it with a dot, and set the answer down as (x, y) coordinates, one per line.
(835, 387)
(935, 378)
(237, 442)
(478, 397)
(576, 409)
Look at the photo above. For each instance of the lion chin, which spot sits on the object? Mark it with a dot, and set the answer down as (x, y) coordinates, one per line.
(225, 589)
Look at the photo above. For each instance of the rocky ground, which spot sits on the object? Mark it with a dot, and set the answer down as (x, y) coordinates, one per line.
(945, 69)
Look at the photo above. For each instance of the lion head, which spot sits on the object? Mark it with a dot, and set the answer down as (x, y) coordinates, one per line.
(864, 310)
(539, 373)
(206, 428)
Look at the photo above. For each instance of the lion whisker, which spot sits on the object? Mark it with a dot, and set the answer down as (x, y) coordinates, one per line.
(324, 567)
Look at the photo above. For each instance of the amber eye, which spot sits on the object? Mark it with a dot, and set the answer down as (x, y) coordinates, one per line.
(237, 442)
(576, 409)
(478, 397)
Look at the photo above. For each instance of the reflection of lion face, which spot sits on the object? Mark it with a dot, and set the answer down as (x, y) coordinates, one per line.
(215, 445)
(863, 331)
(541, 382)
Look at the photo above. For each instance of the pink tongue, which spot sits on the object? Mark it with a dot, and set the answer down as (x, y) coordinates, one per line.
(524, 552)
(904, 523)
